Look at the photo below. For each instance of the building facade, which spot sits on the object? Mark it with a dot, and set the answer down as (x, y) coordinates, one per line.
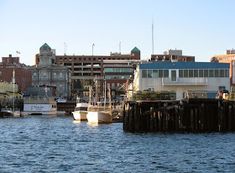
(46, 73)
(23, 76)
(229, 57)
(172, 55)
(181, 77)
(114, 69)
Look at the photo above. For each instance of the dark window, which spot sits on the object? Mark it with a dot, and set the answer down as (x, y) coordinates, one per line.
(195, 73)
(166, 73)
(200, 73)
(190, 73)
(206, 73)
(181, 73)
(160, 73)
(211, 73)
(216, 73)
(186, 73)
(144, 73)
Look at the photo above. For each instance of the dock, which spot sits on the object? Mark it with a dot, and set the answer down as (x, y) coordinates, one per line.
(190, 115)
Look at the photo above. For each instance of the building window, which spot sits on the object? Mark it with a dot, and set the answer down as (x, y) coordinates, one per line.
(181, 73)
(190, 73)
(186, 73)
(216, 73)
(165, 73)
(226, 73)
(195, 73)
(155, 73)
(206, 73)
(200, 73)
(144, 73)
(160, 73)
(222, 73)
(211, 73)
(150, 73)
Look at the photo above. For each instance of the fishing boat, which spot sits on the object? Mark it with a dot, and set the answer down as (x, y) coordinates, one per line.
(99, 112)
(80, 111)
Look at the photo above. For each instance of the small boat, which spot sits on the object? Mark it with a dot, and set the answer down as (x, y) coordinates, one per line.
(100, 112)
(80, 112)
(5, 113)
(98, 115)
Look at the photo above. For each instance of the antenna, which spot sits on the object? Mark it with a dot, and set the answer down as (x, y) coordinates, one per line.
(65, 48)
(120, 47)
(152, 36)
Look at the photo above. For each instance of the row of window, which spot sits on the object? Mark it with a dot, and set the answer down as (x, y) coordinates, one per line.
(155, 73)
(118, 70)
(117, 77)
(186, 73)
(204, 73)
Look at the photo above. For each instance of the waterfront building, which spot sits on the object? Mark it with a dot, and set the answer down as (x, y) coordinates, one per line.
(47, 74)
(181, 77)
(23, 76)
(114, 69)
(172, 55)
(229, 57)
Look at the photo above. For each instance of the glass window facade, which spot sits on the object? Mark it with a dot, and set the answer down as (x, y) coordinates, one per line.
(186, 73)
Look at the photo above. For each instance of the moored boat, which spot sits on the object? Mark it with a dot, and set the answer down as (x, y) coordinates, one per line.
(80, 112)
(99, 114)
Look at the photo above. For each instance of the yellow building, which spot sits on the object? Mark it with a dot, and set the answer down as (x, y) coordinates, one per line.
(9, 90)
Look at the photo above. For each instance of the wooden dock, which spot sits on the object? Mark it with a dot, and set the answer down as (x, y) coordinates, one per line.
(192, 115)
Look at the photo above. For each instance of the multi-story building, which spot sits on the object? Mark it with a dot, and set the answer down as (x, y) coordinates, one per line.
(172, 55)
(114, 69)
(46, 73)
(181, 77)
(229, 57)
(23, 76)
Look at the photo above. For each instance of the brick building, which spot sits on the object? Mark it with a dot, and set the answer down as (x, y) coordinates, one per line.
(172, 55)
(229, 57)
(23, 76)
(115, 69)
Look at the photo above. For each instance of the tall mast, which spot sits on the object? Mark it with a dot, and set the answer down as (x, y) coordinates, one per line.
(152, 37)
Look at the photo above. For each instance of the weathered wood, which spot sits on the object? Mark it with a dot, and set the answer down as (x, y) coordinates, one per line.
(193, 115)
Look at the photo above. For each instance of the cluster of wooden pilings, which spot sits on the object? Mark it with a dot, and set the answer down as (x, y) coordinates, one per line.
(192, 115)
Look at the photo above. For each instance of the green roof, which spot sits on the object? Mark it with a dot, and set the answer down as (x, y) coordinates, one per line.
(135, 50)
(45, 47)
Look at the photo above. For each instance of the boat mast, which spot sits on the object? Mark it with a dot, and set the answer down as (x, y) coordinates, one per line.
(13, 89)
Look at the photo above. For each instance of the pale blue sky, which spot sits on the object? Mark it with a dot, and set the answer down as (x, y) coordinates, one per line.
(198, 27)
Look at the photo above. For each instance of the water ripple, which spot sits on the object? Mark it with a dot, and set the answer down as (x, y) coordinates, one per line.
(57, 144)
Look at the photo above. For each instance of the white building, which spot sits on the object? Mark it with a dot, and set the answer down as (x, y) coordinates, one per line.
(182, 77)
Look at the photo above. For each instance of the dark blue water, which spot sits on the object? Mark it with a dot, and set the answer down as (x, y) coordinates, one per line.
(57, 144)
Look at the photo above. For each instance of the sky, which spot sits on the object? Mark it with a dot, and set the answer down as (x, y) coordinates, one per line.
(201, 28)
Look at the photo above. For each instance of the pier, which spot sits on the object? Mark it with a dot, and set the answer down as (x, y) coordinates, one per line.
(191, 115)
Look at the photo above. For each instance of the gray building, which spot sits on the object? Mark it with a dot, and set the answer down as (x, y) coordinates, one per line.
(50, 75)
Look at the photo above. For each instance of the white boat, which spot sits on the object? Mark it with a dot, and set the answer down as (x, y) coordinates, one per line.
(9, 113)
(100, 112)
(80, 112)
(99, 115)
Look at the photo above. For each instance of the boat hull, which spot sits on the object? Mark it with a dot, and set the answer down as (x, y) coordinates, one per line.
(99, 117)
(80, 115)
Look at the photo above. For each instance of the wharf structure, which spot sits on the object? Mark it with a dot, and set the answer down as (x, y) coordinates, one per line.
(170, 96)
(181, 78)
(190, 115)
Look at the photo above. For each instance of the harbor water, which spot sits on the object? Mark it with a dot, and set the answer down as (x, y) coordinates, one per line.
(58, 144)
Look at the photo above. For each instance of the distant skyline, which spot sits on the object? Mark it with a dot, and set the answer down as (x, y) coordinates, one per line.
(201, 28)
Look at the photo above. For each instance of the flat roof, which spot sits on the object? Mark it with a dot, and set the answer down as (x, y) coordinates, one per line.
(183, 65)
